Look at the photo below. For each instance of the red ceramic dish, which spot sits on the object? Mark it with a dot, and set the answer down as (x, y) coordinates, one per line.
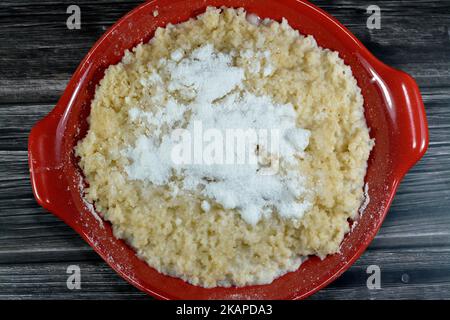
(393, 109)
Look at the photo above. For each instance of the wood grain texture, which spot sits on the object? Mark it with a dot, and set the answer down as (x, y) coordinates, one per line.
(37, 57)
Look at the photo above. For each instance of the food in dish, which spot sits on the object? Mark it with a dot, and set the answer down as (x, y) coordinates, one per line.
(207, 221)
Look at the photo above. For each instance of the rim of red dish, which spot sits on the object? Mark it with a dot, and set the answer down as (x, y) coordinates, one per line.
(58, 117)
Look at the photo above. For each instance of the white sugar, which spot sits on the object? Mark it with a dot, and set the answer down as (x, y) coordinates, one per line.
(366, 199)
(207, 95)
(205, 206)
(206, 75)
(253, 19)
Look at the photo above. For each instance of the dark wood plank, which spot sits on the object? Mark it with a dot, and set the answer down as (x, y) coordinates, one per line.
(37, 57)
(98, 281)
(48, 53)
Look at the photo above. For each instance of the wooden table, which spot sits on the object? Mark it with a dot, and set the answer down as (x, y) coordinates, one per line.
(38, 54)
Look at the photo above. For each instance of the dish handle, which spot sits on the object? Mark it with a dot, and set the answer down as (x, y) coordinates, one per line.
(410, 134)
(46, 167)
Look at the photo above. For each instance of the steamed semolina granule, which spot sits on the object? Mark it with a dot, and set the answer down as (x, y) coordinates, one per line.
(186, 232)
